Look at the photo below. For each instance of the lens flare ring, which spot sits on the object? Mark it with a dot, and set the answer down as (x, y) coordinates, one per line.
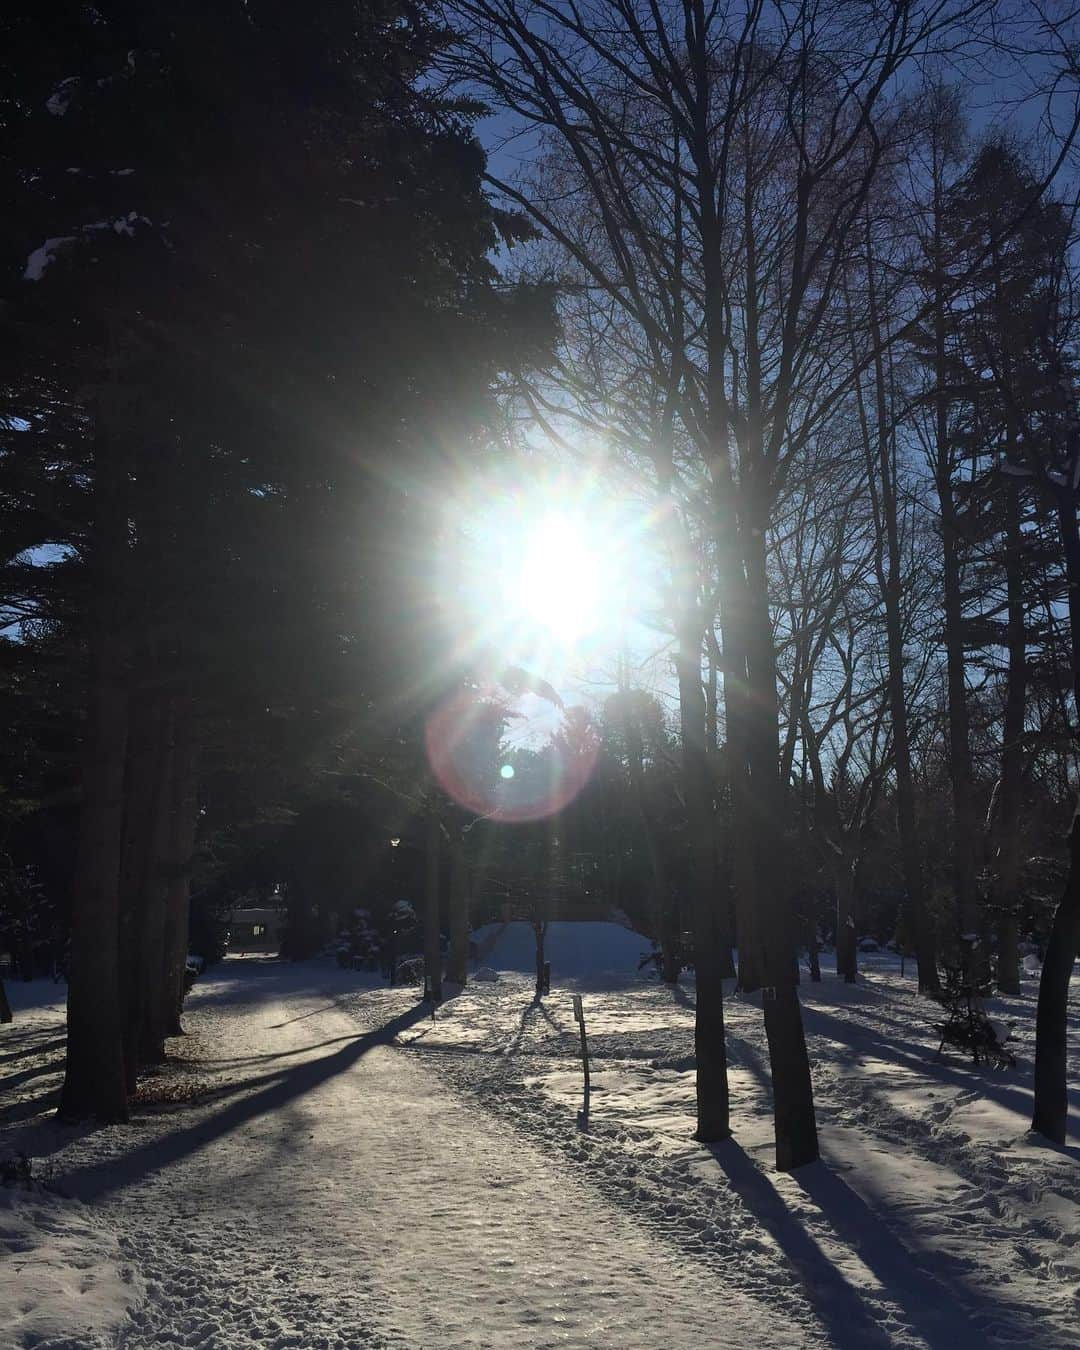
(459, 741)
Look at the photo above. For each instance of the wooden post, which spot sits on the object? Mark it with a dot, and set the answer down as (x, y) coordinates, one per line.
(579, 1018)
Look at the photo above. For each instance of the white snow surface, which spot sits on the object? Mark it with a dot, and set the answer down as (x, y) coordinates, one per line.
(575, 950)
(323, 1164)
(63, 1277)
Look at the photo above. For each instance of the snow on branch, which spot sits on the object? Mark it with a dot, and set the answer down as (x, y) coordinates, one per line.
(38, 262)
(59, 100)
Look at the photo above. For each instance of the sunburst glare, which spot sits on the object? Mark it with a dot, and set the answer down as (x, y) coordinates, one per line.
(548, 577)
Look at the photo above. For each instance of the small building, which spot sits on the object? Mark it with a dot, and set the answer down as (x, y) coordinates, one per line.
(255, 930)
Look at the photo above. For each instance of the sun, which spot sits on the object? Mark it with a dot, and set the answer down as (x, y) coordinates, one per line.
(559, 580)
(538, 589)
(550, 575)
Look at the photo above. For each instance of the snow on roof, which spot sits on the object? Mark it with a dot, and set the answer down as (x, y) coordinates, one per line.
(38, 261)
(59, 100)
(43, 255)
(256, 915)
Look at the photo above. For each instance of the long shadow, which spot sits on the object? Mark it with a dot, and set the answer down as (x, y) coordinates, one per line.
(679, 994)
(744, 1055)
(31, 1107)
(514, 1043)
(909, 1055)
(837, 1303)
(559, 1031)
(37, 1048)
(13, 1080)
(47, 1096)
(315, 1012)
(199, 1062)
(930, 1304)
(101, 1179)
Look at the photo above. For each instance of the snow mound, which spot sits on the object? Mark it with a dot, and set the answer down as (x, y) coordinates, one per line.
(575, 950)
(63, 1279)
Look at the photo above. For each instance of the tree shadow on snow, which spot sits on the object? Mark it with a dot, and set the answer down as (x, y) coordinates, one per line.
(836, 1301)
(288, 1084)
(534, 1006)
(34, 1043)
(1001, 1086)
(680, 995)
(930, 1303)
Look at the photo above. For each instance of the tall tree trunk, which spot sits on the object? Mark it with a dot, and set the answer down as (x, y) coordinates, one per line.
(746, 882)
(847, 951)
(959, 738)
(143, 792)
(664, 925)
(457, 966)
(153, 1029)
(5, 1006)
(540, 927)
(713, 1112)
(725, 503)
(183, 819)
(1050, 1116)
(793, 1095)
(94, 1078)
(887, 561)
(1006, 822)
(919, 923)
(432, 941)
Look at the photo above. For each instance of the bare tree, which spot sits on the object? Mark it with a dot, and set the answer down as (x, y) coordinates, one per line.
(702, 176)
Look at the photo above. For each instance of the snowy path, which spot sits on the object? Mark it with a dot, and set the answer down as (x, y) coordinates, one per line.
(324, 1167)
(327, 1190)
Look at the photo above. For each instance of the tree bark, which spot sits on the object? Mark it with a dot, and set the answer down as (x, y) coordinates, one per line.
(5, 1006)
(457, 966)
(890, 582)
(144, 790)
(94, 1078)
(959, 737)
(153, 1028)
(432, 944)
(793, 1095)
(539, 927)
(713, 1109)
(847, 951)
(744, 875)
(1006, 815)
(1050, 1115)
(1051, 1107)
(812, 949)
(665, 929)
(183, 820)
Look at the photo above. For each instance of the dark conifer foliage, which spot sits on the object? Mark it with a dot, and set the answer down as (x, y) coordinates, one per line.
(248, 275)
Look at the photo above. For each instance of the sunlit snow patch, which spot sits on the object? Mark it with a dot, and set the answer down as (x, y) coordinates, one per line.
(63, 1279)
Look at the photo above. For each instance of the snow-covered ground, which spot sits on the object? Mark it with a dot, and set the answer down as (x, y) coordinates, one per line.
(574, 950)
(324, 1165)
(64, 1280)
